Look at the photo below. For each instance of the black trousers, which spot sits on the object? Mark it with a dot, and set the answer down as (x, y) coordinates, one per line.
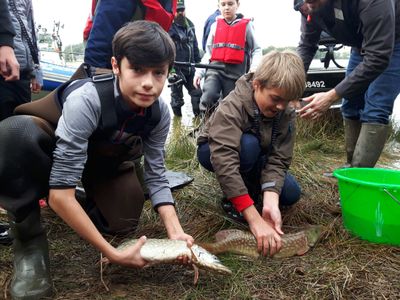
(14, 93)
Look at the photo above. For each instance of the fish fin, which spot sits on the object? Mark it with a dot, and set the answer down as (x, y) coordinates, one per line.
(303, 251)
(196, 274)
(210, 247)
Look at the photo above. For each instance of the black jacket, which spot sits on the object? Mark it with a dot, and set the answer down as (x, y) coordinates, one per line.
(6, 28)
(185, 40)
(369, 26)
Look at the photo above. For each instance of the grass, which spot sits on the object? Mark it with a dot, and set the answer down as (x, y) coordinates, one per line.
(341, 266)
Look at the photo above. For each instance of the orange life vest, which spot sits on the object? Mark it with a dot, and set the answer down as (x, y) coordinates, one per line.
(229, 42)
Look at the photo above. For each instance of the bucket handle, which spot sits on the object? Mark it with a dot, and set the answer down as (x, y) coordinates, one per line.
(391, 196)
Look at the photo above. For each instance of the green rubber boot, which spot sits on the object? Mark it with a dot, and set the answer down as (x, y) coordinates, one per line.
(369, 145)
(352, 130)
(31, 277)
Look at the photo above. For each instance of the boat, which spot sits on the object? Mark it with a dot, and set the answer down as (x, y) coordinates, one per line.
(54, 67)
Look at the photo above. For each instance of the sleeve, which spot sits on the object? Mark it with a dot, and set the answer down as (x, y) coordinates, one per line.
(197, 57)
(7, 31)
(280, 157)
(79, 119)
(254, 47)
(378, 20)
(207, 54)
(224, 141)
(154, 160)
(309, 39)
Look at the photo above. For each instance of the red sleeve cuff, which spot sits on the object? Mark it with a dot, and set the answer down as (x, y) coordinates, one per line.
(241, 202)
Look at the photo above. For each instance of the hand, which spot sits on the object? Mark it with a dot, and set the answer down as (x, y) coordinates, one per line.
(174, 228)
(35, 86)
(319, 103)
(189, 242)
(9, 66)
(268, 239)
(130, 256)
(196, 81)
(271, 212)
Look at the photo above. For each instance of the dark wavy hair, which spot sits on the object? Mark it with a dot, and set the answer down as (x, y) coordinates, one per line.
(143, 43)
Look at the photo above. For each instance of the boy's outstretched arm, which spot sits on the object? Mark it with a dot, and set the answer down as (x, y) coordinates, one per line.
(64, 203)
(172, 224)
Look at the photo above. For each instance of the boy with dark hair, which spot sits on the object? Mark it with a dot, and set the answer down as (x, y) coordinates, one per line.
(248, 142)
(101, 126)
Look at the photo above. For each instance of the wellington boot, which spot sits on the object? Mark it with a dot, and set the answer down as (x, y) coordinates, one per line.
(369, 145)
(31, 277)
(352, 130)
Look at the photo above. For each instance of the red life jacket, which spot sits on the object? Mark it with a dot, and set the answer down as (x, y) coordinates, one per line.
(229, 42)
(157, 13)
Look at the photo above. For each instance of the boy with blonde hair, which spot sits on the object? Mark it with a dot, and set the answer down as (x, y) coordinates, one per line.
(248, 142)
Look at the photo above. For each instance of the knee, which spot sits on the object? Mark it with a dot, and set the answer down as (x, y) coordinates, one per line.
(291, 191)
(203, 155)
(249, 153)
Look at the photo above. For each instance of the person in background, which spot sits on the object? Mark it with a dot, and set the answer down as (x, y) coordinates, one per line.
(248, 142)
(92, 130)
(232, 45)
(9, 66)
(371, 85)
(16, 92)
(207, 26)
(183, 34)
(9, 70)
(111, 15)
(89, 21)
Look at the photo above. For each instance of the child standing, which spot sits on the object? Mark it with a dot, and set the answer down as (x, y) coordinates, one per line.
(231, 44)
(248, 142)
(103, 125)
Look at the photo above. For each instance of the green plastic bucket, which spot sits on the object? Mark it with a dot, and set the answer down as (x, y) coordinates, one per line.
(370, 200)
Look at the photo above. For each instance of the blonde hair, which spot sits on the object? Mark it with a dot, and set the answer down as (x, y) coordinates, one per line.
(283, 70)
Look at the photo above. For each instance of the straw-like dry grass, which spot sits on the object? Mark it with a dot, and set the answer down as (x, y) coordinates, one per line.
(341, 266)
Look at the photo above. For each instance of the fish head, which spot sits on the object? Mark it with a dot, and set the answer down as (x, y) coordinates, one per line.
(206, 260)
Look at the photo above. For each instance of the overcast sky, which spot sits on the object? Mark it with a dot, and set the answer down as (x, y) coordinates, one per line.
(275, 22)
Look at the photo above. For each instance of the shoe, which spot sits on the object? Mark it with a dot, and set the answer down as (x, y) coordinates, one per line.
(231, 212)
(177, 111)
(5, 238)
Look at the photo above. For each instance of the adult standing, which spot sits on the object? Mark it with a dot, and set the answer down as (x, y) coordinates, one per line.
(9, 66)
(16, 92)
(111, 15)
(371, 85)
(183, 34)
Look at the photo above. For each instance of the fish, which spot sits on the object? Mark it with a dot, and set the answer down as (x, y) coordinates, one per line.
(244, 243)
(166, 251)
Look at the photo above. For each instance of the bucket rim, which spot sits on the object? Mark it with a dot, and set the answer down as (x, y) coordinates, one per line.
(338, 175)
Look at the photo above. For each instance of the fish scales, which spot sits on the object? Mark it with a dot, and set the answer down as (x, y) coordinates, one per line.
(244, 243)
(165, 251)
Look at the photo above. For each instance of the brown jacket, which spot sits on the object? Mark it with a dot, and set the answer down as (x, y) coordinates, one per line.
(223, 131)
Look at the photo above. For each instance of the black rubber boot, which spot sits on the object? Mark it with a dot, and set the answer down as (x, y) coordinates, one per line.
(31, 277)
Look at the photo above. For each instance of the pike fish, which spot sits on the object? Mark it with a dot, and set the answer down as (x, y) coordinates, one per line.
(166, 251)
(244, 243)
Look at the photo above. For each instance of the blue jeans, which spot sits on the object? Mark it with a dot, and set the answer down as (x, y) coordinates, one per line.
(376, 104)
(251, 164)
